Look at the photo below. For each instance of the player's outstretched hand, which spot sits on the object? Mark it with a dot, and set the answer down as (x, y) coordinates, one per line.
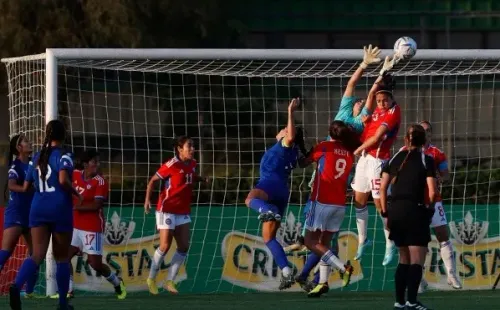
(370, 56)
(294, 104)
(389, 63)
(147, 207)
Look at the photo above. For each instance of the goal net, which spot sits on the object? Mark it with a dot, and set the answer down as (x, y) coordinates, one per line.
(129, 104)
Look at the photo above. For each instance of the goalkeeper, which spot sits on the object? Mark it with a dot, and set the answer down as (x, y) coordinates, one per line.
(354, 112)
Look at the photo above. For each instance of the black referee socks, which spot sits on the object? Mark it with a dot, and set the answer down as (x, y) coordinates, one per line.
(400, 278)
(414, 278)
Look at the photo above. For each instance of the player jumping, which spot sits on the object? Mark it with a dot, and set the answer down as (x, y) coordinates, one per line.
(379, 135)
(89, 219)
(270, 196)
(16, 218)
(439, 223)
(51, 213)
(353, 114)
(173, 210)
(334, 160)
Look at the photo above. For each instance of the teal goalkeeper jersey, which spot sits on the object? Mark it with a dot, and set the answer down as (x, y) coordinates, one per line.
(345, 114)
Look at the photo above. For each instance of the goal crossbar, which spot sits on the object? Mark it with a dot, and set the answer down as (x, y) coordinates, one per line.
(248, 54)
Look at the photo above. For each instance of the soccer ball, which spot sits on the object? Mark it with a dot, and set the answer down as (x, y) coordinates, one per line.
(405, 48)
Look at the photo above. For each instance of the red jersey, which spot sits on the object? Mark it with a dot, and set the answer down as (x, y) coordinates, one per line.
(95, 188)
(177, 194)
(440, 162)
(392, 120)
(334, 164)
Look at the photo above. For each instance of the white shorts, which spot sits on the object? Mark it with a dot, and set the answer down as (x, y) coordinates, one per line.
(367, 175)
(324, 217)
(88, 241)
(170, 221)
(439, 218)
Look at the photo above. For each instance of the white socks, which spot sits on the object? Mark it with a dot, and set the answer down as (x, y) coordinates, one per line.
(333, 261)
(113, 279)
(448, 257)
(156, 263)
(175, 265)
(362, 223)
(324, 272)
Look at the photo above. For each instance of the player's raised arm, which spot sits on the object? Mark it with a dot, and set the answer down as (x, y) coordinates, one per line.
(290, 127)
(370, 56)
(382, 81)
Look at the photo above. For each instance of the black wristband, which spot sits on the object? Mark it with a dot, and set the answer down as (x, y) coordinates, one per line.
(384, 214)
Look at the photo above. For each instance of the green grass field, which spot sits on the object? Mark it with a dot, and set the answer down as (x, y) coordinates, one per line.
(455, 300)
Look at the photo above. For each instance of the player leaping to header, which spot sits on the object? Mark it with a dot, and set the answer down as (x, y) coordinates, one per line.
(270, 195)
(334, 160)
(439, 223)
(88, 220)
(173, 210)
(379, 135)
(353, 114)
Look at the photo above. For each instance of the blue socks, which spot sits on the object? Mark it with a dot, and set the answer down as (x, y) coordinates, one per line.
(4, 256)
(62, 278)
(30, 285)
(27, 270)
(311, 262)
(262, 206)
(278, 253)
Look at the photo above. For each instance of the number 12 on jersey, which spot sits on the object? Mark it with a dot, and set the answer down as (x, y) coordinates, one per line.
(43, 184)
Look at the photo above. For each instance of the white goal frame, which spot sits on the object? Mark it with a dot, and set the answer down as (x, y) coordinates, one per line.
(53, 55)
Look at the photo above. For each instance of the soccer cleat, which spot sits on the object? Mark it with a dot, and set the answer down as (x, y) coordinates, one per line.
(70, 295)
(319, 290)
(361, 249)
(33, 296)
(171, 287)
(14, 298)
(121, 290)
(454, 282)
(153, 289)
(398, 306)
(389, 255)
(286, 282)
(305, 284)
(416, 306)
(423, 286)
(346, 276)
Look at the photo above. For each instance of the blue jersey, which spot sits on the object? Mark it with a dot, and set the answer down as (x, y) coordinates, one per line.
(18, 208)
(51, 203)
(278, 162)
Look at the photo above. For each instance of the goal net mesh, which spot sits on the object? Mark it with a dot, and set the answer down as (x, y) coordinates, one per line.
(131, 109)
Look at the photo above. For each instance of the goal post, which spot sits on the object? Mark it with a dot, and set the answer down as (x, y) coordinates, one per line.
(130, 102)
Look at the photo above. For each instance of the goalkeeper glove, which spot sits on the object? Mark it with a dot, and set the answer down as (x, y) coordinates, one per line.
(370, 56)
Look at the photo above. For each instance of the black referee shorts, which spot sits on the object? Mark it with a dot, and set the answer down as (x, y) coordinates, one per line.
(408, 223)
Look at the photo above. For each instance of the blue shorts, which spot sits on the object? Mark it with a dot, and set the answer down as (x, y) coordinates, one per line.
(277, 193)
(14, 216)
(58, 223)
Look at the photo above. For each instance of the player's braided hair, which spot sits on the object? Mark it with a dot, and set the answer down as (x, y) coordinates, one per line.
(300, 140)
(341, 132)
(54, 131)
(415, 136)
(14, 142)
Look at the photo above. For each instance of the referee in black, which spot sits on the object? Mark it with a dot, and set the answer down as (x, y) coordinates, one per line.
(406, 179)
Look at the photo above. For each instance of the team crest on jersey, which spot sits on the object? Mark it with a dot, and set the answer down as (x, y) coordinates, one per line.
(117, 231)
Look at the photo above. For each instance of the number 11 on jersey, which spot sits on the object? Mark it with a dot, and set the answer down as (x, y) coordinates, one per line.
(189, 178)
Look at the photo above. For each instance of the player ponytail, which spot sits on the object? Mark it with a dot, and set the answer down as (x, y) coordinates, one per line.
(54, 131)
(339, 131)
(415, 139)
(13, 152)
(299, 140)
